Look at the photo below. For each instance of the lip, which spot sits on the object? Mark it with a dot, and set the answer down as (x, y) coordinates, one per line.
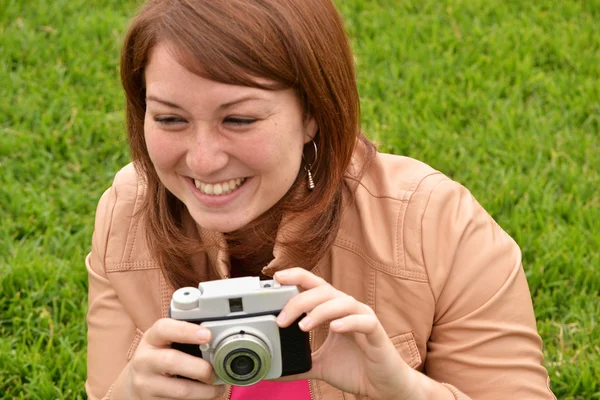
(220, 200)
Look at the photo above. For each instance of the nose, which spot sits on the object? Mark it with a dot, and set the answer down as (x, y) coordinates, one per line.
(207, 154)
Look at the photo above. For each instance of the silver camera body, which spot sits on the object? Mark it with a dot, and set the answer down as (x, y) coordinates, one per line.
(247, 345)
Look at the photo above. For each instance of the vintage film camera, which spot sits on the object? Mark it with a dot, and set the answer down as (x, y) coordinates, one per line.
(247, 345)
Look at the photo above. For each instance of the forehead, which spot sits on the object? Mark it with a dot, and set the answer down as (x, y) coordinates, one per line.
(166, 55)
(165, 71)
(163, 68)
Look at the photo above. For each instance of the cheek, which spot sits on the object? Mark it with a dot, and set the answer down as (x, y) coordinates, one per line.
(162, 150)
(274, 154)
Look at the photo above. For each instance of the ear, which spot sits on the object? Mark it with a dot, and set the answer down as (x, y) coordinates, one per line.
(310, 129)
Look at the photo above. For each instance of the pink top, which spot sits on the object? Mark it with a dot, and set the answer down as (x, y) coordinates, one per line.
(267, 390)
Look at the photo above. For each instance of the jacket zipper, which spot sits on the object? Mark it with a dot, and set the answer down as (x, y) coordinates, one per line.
(310, 389)
(310, 345)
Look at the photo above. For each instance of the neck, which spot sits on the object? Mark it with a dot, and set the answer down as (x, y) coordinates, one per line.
(251, 248)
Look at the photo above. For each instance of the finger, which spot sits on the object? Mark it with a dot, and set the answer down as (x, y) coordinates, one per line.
(306, 302)
(335, 308)
(300, 277)
(175, 388)
(367, 324)
(166, 331)
(173, 362)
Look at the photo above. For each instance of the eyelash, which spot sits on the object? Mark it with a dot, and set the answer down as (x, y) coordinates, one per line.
(239, 121)
(173, 120)
(169, 120)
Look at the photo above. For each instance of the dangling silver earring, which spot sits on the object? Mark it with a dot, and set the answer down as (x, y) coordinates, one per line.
(308, 168)
(311, 182)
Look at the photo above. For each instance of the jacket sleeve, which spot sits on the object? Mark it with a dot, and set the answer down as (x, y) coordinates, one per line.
(110, 330)
(484, 344)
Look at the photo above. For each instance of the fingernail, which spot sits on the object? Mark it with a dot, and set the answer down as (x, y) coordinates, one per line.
(282, 273)
(305, 323)
(203, 334)
(337, 324)
(281, 318)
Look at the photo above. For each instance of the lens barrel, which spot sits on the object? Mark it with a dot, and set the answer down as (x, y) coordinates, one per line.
(242, 365)
(242, 359)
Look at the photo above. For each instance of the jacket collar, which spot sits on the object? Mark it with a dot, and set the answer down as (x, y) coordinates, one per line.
(289, 229)
(218, 254)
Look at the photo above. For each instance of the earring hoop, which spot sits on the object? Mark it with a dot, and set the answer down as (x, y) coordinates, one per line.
(308, 167)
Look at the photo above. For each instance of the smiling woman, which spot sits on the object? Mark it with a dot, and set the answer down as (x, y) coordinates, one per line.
(248, 159)
(228, 153)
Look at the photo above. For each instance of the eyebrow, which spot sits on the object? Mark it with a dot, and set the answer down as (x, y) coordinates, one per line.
(222, 106)
(165, 102)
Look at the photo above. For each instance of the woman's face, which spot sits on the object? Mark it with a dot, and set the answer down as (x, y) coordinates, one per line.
(229, 153)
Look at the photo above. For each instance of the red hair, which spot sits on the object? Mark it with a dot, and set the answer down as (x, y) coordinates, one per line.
(299, 44)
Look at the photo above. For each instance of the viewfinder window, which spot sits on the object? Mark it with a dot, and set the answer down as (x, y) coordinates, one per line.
(235, 305)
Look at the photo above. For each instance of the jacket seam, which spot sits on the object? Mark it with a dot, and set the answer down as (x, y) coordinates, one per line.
(414, 351)
(108, 394)
(123, 255)
(131, 266)
(165, 294)
(510, 276)
(109, 228)
(133, 223)
(360, 183)
(423, 241)
(402, 273)
(399, 228)
(399, 239)
(137, 338)
(458, 395)
(372, 291)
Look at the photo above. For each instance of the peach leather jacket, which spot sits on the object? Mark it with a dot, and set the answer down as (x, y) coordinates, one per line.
(444, 279)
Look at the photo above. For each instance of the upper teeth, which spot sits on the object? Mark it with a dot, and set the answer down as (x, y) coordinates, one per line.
(219, 188)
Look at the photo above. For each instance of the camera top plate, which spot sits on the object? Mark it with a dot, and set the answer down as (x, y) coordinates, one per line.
(214, 298)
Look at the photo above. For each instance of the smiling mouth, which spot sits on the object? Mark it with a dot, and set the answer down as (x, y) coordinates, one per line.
(219, 189)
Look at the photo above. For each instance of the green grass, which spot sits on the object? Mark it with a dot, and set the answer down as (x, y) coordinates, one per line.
(501, 95)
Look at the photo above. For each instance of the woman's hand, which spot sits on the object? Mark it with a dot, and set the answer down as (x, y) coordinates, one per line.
(357, 356)
(153, 370)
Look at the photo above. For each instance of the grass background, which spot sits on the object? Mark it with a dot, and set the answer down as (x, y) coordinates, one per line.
(501, 95)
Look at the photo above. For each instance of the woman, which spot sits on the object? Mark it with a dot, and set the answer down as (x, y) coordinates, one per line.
(248, 160)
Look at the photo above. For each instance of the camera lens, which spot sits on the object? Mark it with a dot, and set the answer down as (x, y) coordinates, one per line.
(241, 359)
(242, 365)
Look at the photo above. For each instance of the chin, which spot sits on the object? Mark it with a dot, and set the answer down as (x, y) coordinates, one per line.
(225, 226)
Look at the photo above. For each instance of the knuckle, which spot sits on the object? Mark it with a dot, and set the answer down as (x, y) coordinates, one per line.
(205, 372)
(291, 306)
(326, 287)
(137, 382)
(138, 361)
(327, 292)
(168, 361)
(347, 300)
(182, 390)
(321, 281)
(372, 323)
(300, 303)
(160, 325)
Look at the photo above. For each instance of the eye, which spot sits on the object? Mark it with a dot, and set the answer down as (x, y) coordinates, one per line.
(239, 121)
(169, 120)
